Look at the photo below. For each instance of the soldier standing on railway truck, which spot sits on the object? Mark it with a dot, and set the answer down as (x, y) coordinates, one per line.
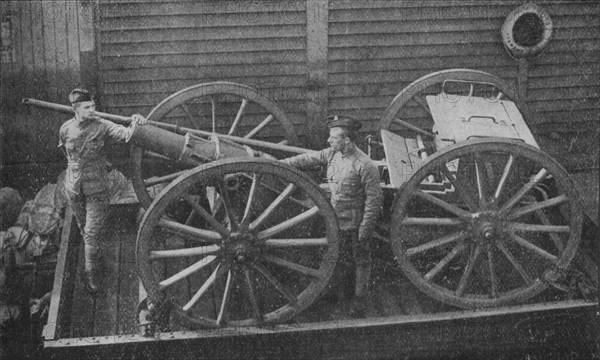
(86, 181)
(357, 198)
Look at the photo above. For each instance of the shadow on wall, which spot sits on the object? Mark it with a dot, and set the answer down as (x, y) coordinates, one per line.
(30, 156)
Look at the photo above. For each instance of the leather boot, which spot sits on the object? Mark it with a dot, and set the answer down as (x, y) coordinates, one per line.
(90, 281)
(361, 285)
(91, 270)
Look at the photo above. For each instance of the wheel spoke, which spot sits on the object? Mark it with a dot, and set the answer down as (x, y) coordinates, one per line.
(194, 123)
(507, 170)
(291, 198)
(407, 125)
(253, 299)
(422, 104)
(195, 251)
(500, 245)
(526, 244)
(555, 238)
(314, 273)
(238, 116)
(208, 217)
(260, 126)
(459, 235)
(265, 234)
(464, 279)
(186, 272)
(215, 200)
(283, 243)
(251, 197)
(493, 277)
(189, 232)
(271, 208)
(481, 183)
(460, 188)
(226, 297)
(439, 266)
(207, 284)
(541, 175)
(539, 228)
(214, 116)
(229, 208)
(163, 179)
(537, 206)
(432, 221)
(276, 283)
(444, 205)
(190, 218)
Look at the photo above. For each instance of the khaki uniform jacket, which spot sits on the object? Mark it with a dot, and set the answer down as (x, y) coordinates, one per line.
(355, 186)
(87, 167)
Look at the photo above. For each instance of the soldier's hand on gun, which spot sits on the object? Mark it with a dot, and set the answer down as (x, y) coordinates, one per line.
(139, 119)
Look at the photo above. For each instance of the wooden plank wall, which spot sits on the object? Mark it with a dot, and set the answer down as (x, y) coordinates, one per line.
(151, 49)
(366, 53)
(376, 48)
(46, 66)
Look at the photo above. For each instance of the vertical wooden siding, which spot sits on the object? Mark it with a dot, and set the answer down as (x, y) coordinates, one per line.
(376, 48)
(46, 66)
(47, 48)
(151, 49)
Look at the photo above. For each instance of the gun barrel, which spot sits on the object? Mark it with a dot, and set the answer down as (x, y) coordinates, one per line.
(69, 110)
(173, 128)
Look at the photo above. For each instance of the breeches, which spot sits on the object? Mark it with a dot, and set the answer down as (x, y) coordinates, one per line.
(91, 212)
(352, 250)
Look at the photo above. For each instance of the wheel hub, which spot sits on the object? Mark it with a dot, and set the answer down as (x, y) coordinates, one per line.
(242, 247)
(487, 231)
(487, 227)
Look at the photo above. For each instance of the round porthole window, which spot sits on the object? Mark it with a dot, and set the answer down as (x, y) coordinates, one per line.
(526, 30)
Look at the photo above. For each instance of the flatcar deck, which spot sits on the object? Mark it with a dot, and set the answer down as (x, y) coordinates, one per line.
(78, 321)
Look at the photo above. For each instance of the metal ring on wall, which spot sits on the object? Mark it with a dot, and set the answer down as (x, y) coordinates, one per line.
(526, 30)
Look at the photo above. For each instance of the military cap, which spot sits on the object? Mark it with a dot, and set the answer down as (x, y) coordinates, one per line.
(345, 121)
(80, 95)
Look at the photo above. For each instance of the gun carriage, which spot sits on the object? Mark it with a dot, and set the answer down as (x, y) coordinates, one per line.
(231, 237)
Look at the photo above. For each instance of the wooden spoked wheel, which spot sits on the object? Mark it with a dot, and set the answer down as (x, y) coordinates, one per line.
(218, 107)
(410, 104)
(260, 250)
(499, 221)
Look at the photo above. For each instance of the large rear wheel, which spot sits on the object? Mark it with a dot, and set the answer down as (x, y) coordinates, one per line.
(260, 247)
(486, 223)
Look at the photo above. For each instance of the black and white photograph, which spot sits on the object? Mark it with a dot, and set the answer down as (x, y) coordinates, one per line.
(299, 179)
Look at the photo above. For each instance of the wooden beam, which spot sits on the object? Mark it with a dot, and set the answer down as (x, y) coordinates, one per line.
(88, 56)
(522, 81)
(317, 31)
(59, 314)
(540, 330)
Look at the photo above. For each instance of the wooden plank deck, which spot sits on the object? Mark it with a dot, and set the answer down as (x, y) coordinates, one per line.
(79, 322)
(112, 311)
